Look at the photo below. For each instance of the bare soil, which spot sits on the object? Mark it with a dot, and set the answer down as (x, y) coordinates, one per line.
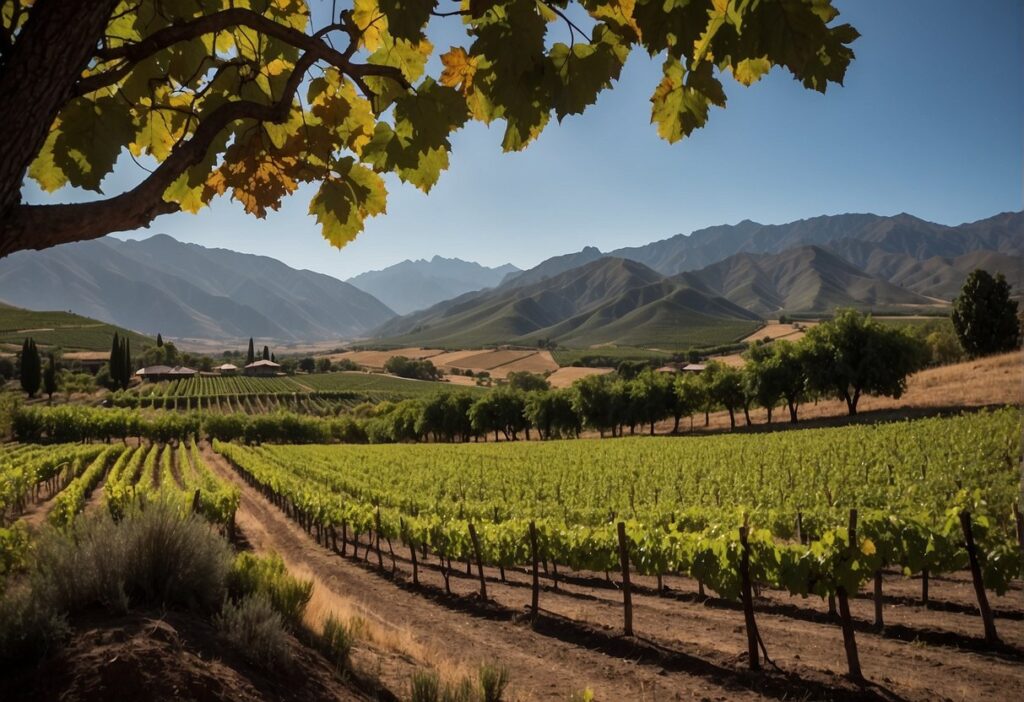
(686, 647)
(167, 656)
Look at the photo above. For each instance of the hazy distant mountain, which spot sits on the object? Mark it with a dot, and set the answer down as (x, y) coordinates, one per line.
(802, 279)
(901, 234)
(609, 300)
(186, 290)
(416, 285)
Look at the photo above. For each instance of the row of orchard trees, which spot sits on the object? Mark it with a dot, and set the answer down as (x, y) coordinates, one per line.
(845, 358)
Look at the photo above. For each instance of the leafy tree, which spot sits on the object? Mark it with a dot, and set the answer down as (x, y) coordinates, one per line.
(116, 361)
(552, 413)
(50, 377)
(250, 357)
(592, 401)
(688, 396)
(266, 353)
(323, 365)
(788, 368)
(853, 355)
(308, 364)
(650, 394)
(943, 346)
(31, 367)
(525, 381)
(984, 316)
(725, 387)
(254, 99)
(405, 367)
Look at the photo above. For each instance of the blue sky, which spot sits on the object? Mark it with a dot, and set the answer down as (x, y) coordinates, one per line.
(929, 122)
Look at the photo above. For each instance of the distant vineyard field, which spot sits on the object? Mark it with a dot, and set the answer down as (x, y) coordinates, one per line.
(69, 331)
(318, 394)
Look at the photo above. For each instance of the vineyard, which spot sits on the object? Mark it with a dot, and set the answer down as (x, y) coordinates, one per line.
(818, 512)
(68, 474)
(318, 394)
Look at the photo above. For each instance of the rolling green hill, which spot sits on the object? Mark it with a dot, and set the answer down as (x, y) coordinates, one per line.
(66, 330)
(608, 301)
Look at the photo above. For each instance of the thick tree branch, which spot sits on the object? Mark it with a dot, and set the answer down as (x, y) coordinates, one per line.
(130, 54)
(42, 226)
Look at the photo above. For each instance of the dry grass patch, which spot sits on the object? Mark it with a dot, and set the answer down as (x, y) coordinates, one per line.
(564, 377)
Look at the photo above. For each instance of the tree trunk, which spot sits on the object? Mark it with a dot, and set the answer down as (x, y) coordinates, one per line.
(732, 418)
(627, 597)
(748, 603)
(849, 640)
(38, 78)
(792, 412)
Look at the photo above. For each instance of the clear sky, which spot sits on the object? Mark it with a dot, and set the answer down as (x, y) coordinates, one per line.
(929, 122)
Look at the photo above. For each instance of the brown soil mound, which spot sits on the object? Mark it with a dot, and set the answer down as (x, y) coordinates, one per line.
(167, 656)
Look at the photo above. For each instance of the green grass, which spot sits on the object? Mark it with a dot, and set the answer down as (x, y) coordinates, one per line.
(66, 330)
(567, 356)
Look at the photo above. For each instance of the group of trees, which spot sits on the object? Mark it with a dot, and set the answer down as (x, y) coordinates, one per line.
(32, 374)
(845, 358)
(120, 364)
(411, 368)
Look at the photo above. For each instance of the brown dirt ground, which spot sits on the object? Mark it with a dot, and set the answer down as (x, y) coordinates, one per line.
(685, 648)
(564, 377)
(167, 656)
(774, 330)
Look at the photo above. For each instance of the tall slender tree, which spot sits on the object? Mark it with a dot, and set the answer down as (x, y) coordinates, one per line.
(266, 353)
(251, 357)
(159, 340)
(127, 361)
(50, 377)
(30, 367)
(115, 359)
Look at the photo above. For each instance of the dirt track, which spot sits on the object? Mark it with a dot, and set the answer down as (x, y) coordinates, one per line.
(686, 648)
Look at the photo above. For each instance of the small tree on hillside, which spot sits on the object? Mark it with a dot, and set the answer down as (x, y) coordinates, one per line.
(50, 378)
(30, 368)
(266, 353)
(159, 340)
(984, 316)
(853, 355)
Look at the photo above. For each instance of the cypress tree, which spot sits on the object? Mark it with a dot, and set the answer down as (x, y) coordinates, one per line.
(159, 340)
(50, 378)
(251, 358)
(115, 359)
(266, 353)
(273, 358)
(127, 362)
(30, 368)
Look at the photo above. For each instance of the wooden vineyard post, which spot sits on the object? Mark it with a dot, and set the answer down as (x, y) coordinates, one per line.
(344, 537)
(535, 597)
(627, 597)
(924, 587)
(479, 561)
(380, 556)
(1019, 519)
(799, 527)
(748, 602)
(879, 621)
(412, 553)
(991, 638)
(849, 641)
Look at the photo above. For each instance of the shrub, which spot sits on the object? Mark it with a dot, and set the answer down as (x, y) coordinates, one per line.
(426, 687)
(30, 626)
(493, 682)
(336, 641)
(256, 629)
(268, 577)
(157, 556)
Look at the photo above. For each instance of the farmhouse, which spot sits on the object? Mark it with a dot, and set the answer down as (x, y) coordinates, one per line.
(155, 373)
(227, 369)
(263, 367)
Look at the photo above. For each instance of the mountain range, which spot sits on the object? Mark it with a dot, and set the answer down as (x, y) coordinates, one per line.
(703, 288)
(160, 285)
(414, 285)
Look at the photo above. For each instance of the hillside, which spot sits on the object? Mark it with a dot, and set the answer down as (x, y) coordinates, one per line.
(902, 234)
(185, 290)
(805, 279)
(70, 332)
(608, 301)
(415, 285)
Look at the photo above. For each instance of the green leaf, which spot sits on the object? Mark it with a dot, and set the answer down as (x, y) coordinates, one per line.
(681, 101)
(407, 18)
(345, 201)
(90, 138)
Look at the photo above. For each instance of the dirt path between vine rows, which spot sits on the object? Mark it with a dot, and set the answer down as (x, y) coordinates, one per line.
(686, 648)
